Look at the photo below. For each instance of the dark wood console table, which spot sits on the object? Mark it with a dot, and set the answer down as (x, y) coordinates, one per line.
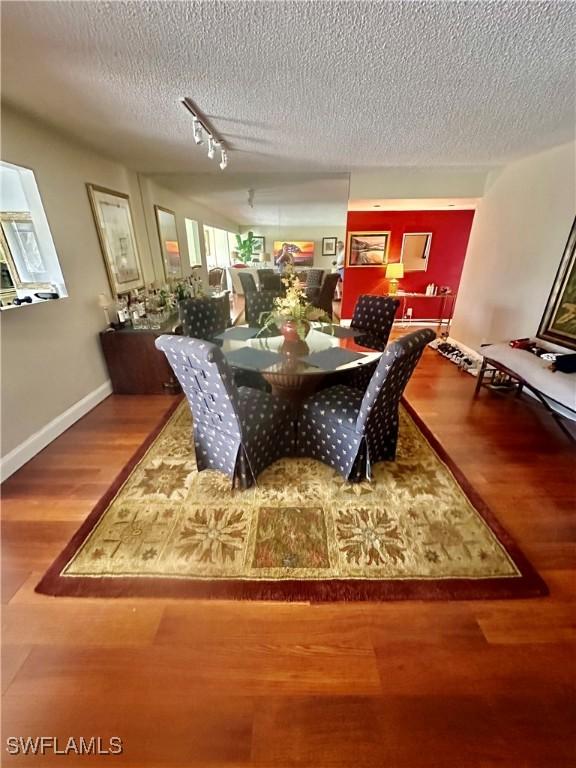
(135, 366)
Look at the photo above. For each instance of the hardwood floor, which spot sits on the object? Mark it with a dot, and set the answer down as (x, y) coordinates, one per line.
(228, 684)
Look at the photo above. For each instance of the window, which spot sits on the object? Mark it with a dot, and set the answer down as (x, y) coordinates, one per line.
(28, 259)
(219, 245)
(193, 242)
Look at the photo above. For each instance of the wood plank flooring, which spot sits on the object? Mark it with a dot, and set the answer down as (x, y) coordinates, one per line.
(208, 684)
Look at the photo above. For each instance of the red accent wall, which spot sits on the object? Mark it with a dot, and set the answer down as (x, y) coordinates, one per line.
(450, 233)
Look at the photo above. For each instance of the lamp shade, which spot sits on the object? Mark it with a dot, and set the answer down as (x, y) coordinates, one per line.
(395, 270)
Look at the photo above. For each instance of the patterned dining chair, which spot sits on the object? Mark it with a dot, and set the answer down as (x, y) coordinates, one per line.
(313, 283)
(247, 282)
(255, 304)
(374, 315)
(270, 280)
(351, 431)
(325, 296)
(237, 431)
(205, 318)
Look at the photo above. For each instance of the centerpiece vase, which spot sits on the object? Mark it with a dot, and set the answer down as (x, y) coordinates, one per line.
(294, 345)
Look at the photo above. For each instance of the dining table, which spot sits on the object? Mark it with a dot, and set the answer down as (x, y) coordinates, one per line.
(295, 370)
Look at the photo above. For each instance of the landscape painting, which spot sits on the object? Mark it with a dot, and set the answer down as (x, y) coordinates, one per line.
(368, 249)
(558, 323)
(302, 251)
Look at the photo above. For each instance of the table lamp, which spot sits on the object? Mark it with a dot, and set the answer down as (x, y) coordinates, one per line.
(394, 271)
(105, 302)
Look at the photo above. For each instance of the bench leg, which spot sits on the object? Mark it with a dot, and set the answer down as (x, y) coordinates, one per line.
(480, 378)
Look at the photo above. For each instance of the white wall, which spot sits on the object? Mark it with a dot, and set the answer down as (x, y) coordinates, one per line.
(516, 243)
(52, 366)
(51, 357)
(396, 183)
(301, 233)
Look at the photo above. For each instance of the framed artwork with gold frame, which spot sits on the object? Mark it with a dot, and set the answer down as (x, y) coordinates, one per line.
(558, 323)
(115, 227)
(367, 249)
(169, 245)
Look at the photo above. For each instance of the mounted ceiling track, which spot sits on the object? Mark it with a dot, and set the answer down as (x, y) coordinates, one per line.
(202, 126)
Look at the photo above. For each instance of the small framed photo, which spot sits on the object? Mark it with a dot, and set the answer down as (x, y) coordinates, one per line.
(259, 246)
(329, 246)
(113, 217)
(169, 244)
(368, 249)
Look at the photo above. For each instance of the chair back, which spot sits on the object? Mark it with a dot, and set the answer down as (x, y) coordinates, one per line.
(314, 279)
(375, 316)
(207, 382)
(374, 313)
(215, 277)
(257, 303)
(247, 282)
(379, 408)
(269, 280)
(326, 294)
(204, 318)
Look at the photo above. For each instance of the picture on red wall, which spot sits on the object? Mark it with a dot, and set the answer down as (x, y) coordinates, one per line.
(368, 249)
(302, 251)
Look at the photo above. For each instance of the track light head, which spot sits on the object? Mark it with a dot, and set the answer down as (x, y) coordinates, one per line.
(197, 131)
(211, 146)
(223, 159)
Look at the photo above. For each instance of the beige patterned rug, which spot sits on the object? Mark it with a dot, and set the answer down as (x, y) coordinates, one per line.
(302, 534)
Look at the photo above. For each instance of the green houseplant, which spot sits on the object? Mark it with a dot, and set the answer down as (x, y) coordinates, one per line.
(245, 247)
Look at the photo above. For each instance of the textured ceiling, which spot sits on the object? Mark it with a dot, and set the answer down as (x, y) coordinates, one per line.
(297, 86)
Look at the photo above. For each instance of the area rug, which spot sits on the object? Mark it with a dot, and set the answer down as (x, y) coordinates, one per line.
(417, 531)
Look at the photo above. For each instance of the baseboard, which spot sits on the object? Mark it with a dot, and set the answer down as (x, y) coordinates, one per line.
(39, 440)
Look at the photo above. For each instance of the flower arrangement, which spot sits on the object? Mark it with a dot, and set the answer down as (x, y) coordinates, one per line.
(292, 311)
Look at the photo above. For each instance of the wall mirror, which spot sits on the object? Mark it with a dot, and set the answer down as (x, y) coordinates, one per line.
(415, 251)
(169, 245)
(30, 271)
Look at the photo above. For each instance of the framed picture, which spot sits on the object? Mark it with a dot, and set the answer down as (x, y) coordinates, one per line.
(21, 251)
(558, 323)
(113, 218)
(329, 246)
(302, 251)
(169, 245)
(259, 246)
(368, 249)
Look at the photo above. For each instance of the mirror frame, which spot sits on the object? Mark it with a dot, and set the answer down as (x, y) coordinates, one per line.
(427, 250)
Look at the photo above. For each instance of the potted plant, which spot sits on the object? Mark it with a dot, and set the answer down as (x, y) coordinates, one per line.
(245, 247)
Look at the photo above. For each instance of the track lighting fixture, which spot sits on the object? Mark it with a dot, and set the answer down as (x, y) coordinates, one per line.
(197, 131)
(200, 127)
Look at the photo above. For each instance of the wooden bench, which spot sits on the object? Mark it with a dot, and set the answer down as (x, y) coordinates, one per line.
(555, 390)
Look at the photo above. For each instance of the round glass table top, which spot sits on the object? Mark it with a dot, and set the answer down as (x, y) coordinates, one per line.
(326, 349)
